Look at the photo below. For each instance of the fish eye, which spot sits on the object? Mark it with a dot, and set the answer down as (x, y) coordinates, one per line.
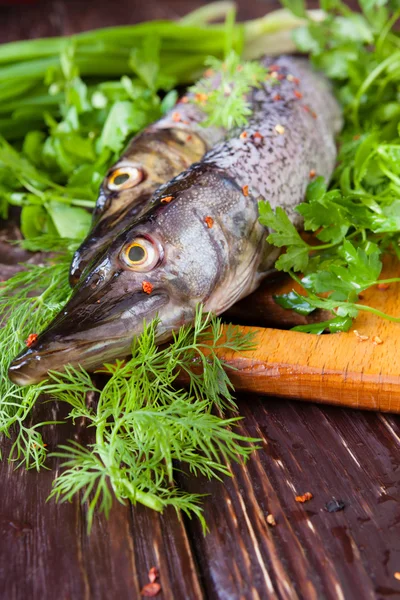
(124, 177)
(140, 255)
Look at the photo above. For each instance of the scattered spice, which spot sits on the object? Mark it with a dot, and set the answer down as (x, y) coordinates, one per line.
(183, 100)
(304, 498)
(188, 139)
(243, 135)
(312, 173)
(274, 68)
(298, 94)
(209, 73)
(383, 286)
(293, 79)
(32, 337)
(397, 575)
(277, 97)
(245, 190)
(153, 574)
(201, 97)
(377, 340)
(209, 221)
(167, 199)
(151, 589)
(257, 136)
(274, 75)
(279, 129)
(280, 77)
(356, 137)
(176, 117)
(334, 505)
(147, 287)
(358, 335)
(271, 520)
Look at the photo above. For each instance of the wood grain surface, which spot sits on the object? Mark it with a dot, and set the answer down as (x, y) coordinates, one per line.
(332, 452)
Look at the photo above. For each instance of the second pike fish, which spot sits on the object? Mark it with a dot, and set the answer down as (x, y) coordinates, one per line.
(153, 157)
(200, 240)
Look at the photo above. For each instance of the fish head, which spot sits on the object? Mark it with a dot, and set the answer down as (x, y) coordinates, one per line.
(163, 266)
(160, 267)
(151, 159)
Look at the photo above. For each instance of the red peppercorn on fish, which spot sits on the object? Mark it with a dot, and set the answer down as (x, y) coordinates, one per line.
(205, 244)
(153, 157)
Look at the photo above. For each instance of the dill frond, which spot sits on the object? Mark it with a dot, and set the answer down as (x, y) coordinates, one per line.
(226, 103)
(28, 302)
(145, 424)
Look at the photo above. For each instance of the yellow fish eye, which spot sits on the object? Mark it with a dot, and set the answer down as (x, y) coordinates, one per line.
(140, 254)
(136, 253)
(124, 177)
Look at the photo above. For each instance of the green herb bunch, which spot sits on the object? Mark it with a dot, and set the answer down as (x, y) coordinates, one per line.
(28, 302)
(357, 218)
(143, 420)
(56, 173)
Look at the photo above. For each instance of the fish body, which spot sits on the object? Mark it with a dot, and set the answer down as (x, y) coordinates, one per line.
(206, 244)
(153, 157)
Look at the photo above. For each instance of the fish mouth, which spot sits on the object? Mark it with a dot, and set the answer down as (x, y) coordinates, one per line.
(87, 347)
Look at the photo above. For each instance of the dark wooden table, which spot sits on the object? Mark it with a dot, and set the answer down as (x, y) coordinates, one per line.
(330, 452)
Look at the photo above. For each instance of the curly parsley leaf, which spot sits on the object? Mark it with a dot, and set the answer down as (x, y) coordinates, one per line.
(357, 217)
(294, 301)
(332, 325)
(284, 234)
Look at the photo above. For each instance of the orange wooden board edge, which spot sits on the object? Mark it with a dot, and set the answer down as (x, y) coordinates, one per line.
(333, 368)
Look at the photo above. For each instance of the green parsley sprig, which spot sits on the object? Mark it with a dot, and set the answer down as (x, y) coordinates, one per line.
(356, 218)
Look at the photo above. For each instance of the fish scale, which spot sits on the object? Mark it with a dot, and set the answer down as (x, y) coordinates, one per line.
(206, 244)
(277, 166)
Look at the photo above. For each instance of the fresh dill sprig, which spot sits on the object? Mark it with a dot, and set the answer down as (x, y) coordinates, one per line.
(28, 302)
(222, 94)
(144, 421)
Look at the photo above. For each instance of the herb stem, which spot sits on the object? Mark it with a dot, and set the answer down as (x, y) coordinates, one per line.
(368, 82)
(145, 498)
(392, 280)
(376, 312)
(323, 246)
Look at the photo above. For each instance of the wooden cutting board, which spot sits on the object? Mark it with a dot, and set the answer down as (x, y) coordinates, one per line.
(339, 368)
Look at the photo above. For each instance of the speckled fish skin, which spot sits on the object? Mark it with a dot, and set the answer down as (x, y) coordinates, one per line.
(160, 152)
(212, 248)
